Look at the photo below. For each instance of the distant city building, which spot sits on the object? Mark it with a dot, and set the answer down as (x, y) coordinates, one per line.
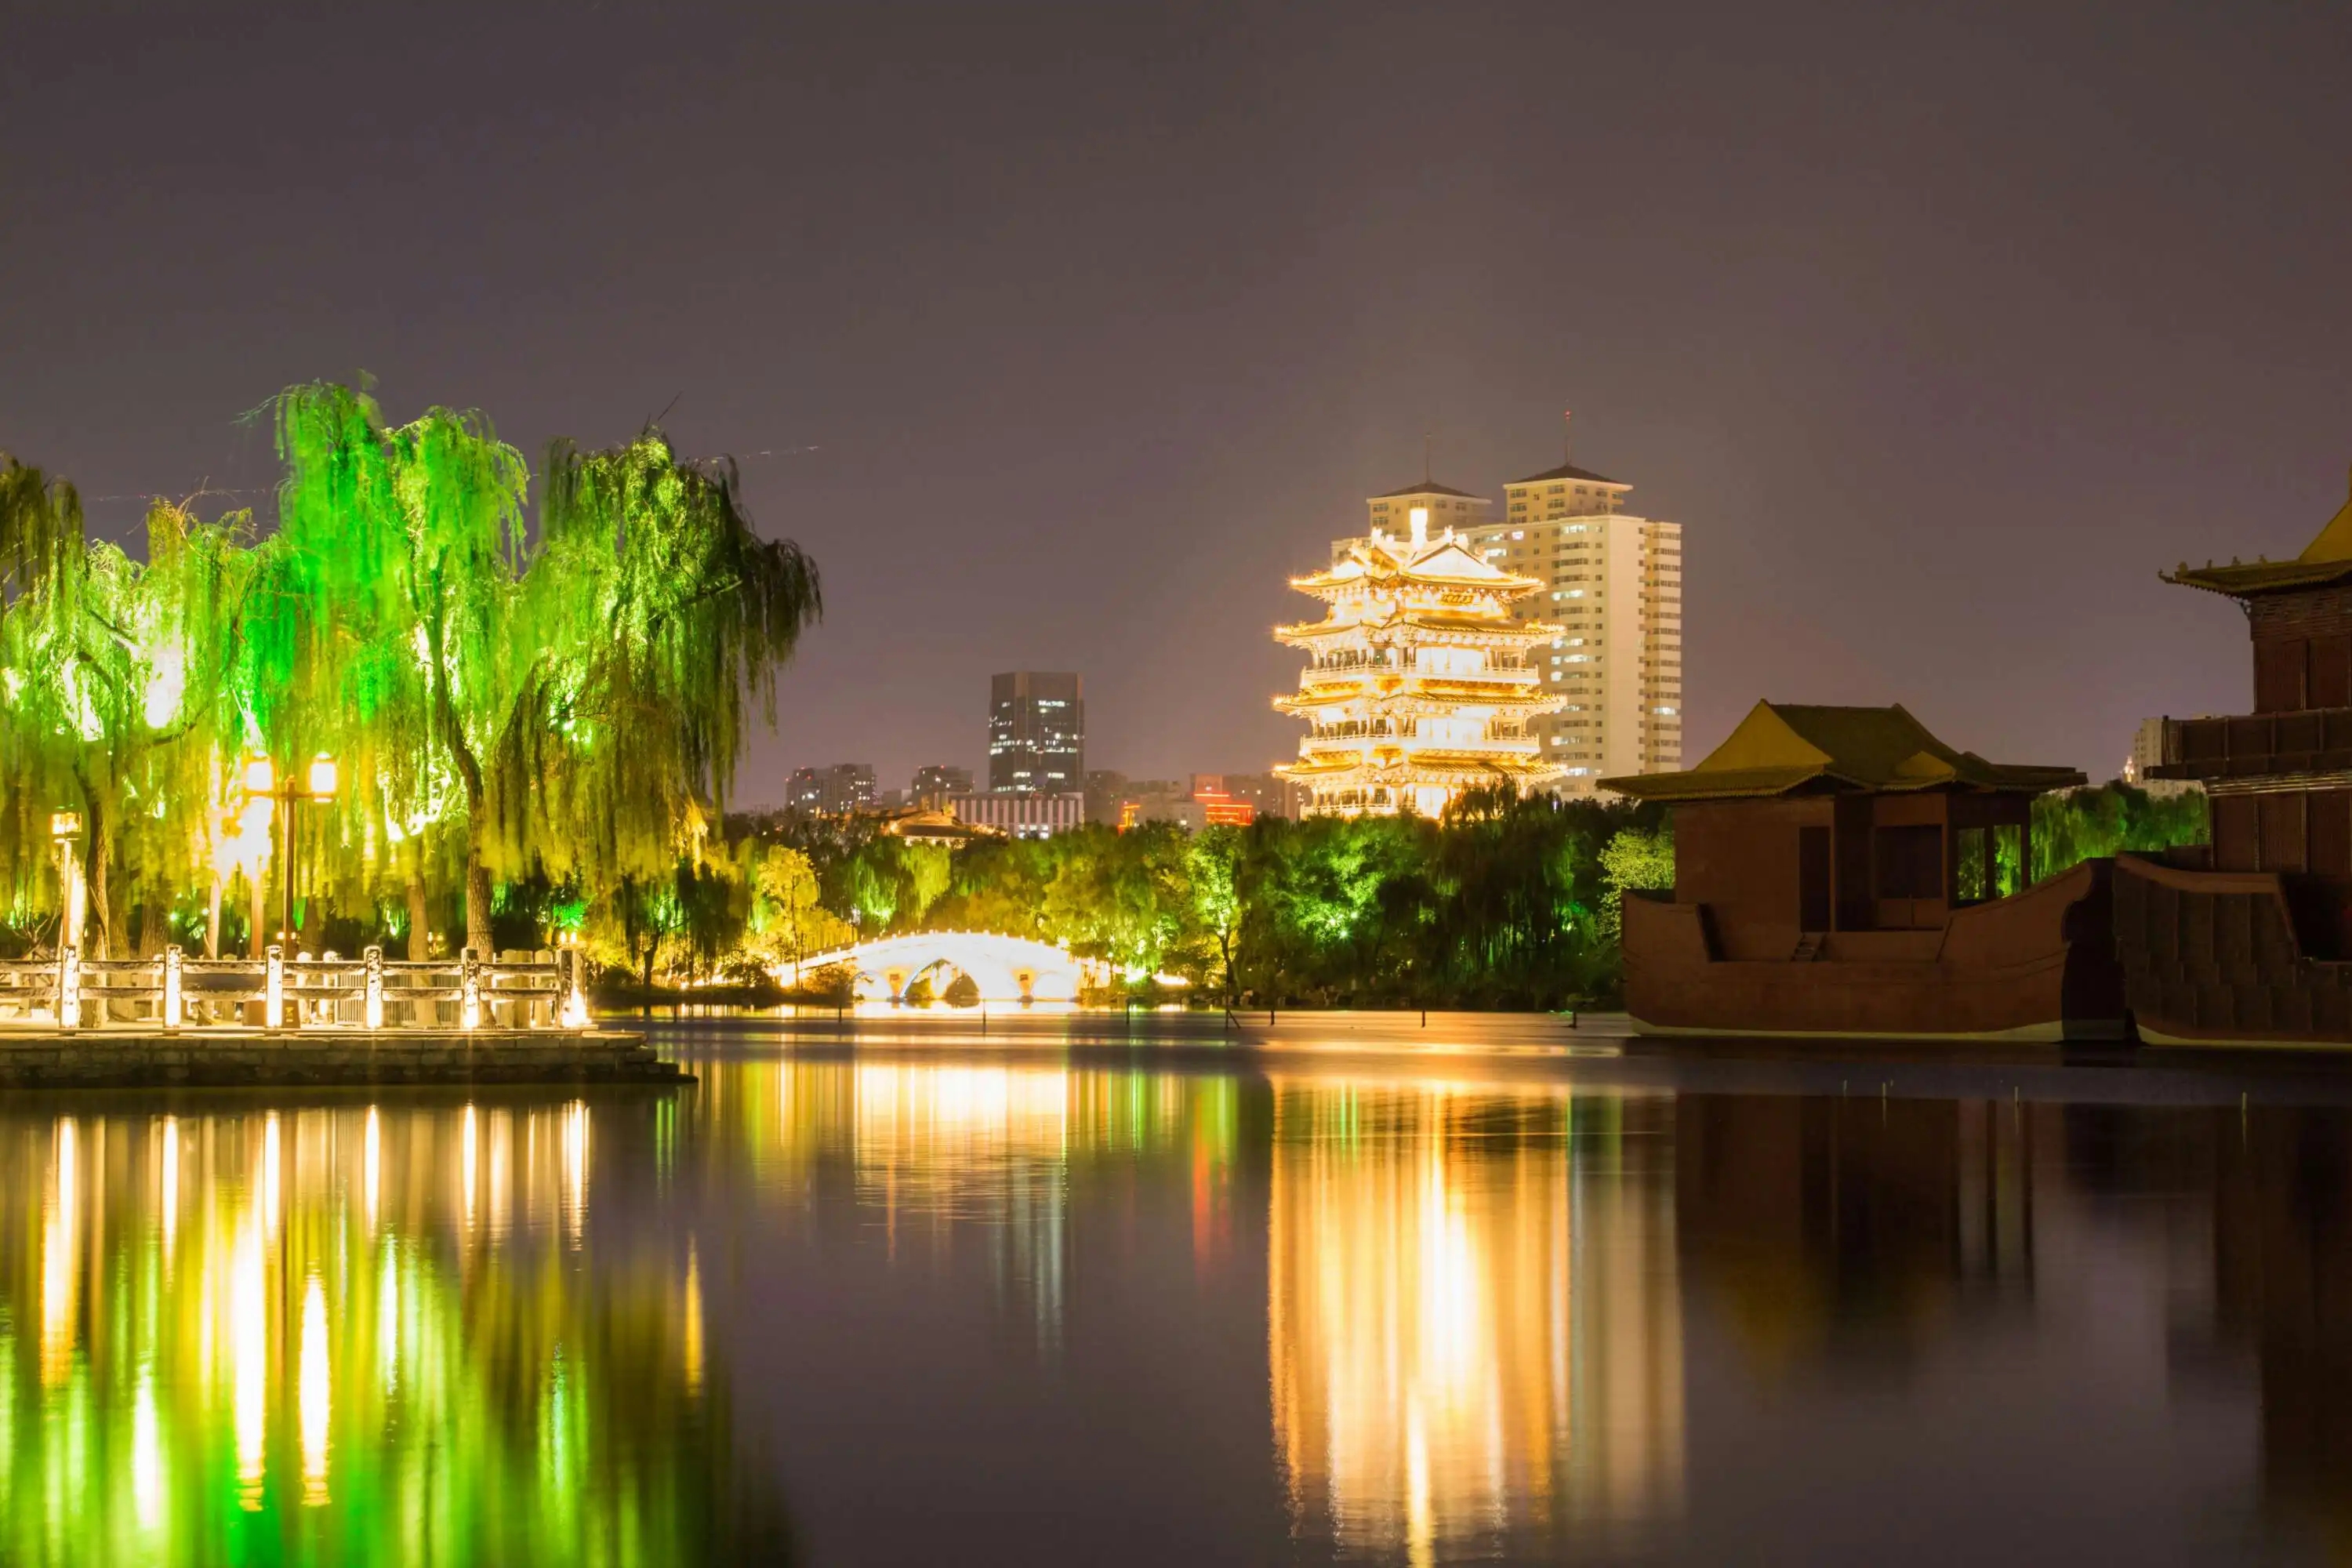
(1022, 815)
(1203, 802)
(835, 791)
(1611, 592)
(1269, 795)
(1419, 683)
(1036, 733)
(2147, 752)
(1106, 789)
(935, 784)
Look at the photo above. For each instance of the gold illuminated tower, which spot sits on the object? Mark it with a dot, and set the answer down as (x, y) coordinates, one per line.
(1418, 684)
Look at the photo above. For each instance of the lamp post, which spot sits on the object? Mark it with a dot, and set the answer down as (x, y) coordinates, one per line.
(316, 783)
(65, 826)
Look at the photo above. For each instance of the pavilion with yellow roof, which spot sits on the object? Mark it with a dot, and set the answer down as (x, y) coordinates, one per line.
(1418, 684)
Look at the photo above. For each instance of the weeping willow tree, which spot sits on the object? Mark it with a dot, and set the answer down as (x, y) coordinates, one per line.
(117, 701)
(387, 635)
(659, 620)
(573, 704)
(570, 705)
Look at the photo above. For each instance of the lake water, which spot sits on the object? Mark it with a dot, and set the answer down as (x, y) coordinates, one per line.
(943, 1300)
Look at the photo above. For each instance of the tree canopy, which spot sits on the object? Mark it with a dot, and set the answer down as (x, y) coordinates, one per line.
(509, 706)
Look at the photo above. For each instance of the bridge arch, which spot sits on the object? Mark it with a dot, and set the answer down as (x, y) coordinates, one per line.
(1003, 968)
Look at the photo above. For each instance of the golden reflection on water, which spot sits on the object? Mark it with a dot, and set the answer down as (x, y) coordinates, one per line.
(287, 1334)
(1472, 1298)
(1472, 1314)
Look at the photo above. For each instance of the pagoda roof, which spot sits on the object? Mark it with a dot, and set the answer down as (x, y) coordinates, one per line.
(1569, 471)
(1786, 748)
(1427, 488)
(2326, 558)
(1445, 559)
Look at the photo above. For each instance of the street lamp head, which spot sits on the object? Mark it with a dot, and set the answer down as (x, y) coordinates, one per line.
(260, 778)
(64, 825)
(322, 776)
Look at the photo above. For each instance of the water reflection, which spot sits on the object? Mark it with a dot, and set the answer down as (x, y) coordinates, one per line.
(1473, 1327)
(342, 1333)
(1068, 1312)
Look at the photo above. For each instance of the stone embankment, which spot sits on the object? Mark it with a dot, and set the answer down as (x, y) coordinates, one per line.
(126, 1058)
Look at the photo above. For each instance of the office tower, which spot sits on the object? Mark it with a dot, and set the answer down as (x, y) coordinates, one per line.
(1418, 684)
(1036, 733)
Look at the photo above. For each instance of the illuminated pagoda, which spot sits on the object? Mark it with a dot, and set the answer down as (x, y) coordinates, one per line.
(1418, 684)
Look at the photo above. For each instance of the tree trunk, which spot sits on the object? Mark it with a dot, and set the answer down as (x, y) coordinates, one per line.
(211, 919)
(100, 905)
(420, 939)
(477, 896)
(154, 926)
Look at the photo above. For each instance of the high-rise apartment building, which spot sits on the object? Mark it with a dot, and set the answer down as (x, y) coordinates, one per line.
(833, 791)
(1613, 596)
(1036, 733)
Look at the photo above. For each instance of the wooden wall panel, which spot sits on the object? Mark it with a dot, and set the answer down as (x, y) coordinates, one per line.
(2329, 833)
(2282, 830)
(2331, 671)
(2233, 833)
(2278, 672)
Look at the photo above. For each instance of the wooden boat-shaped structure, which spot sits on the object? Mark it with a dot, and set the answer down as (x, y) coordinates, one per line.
(2248, 939)
(1840, 871)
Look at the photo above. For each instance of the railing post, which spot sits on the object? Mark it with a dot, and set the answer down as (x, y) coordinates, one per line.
(68, 1005)
(575, 1001)
(172, 986)
(374, 1008)
(469, 990)
(273, 989)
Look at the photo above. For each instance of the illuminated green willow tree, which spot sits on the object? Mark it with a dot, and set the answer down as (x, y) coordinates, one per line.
(385, 632)
(658, 619)
(574, 704)
(117, 704)
(567, 705)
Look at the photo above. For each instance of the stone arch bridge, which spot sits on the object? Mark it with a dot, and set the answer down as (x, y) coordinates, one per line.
(1004, 968)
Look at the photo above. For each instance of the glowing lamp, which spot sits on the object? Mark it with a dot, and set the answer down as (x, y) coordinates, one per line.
(64, 825)
(322, 776)
(260, 778)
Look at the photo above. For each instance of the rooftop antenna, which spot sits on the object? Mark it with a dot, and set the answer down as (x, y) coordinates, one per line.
(1566, 446)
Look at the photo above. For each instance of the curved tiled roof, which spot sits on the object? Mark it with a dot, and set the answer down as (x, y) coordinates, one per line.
(1784, 748)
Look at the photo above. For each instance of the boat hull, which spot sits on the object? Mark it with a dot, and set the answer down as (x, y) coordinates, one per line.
(2215, 958)
(2037, 966)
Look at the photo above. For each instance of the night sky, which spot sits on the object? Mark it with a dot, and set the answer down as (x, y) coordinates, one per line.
(1060, 337)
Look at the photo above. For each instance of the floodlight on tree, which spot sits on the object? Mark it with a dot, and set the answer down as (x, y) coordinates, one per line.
(260, 776)
(322, 777)
(64, 825)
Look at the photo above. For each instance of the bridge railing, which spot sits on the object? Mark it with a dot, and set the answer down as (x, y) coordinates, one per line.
(173, 991)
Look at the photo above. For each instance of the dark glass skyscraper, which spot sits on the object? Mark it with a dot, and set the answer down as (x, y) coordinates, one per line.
(1036, 733)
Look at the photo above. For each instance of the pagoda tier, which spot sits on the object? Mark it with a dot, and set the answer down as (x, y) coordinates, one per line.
(1420, 685)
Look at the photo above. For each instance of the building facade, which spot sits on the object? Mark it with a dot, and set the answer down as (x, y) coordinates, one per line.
(1036, 733)
(833, 791)
(1610, 593)
(1204, 801)
(1419, 683)
(935, 784)
(1022, 815)
(2146, 752)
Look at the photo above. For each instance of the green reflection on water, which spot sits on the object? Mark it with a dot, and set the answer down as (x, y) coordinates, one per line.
(357, 1333)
